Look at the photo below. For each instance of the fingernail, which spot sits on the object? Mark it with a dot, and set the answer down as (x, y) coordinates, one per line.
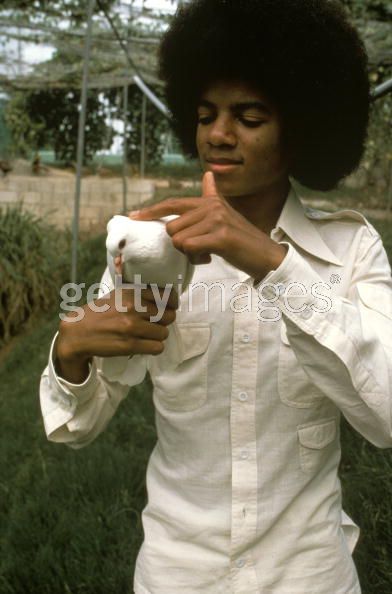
(134, 214)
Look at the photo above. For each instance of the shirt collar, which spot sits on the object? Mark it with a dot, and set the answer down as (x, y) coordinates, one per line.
(294, 222)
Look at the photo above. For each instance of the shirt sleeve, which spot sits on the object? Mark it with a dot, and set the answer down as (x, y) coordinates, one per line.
(76, 414)
(344, 344)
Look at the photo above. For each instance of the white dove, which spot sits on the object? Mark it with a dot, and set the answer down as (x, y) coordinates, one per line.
(147, 250)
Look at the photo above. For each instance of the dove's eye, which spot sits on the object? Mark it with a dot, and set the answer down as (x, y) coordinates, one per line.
(122, 244)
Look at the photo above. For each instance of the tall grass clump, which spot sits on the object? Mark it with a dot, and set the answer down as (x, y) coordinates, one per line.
(34, 262)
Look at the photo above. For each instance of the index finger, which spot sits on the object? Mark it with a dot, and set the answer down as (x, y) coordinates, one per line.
(209, 185)
(170, 206)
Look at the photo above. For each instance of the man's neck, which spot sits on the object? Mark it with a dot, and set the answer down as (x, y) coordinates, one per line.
(262, 209)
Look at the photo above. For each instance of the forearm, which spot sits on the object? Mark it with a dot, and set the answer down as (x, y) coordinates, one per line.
(75, 414)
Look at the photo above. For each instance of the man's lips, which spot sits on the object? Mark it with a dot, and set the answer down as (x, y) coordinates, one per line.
(223, 165)
(224, 161)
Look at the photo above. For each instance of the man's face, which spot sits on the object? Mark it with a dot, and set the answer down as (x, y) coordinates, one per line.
(239, 139)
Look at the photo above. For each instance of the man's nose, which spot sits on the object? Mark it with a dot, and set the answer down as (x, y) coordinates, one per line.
(222, 132)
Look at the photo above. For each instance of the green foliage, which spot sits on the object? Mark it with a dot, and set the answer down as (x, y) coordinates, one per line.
(25, 132)
(366, 484)
(378, 156)
(50, 118)
(376, 9)
(33, 262)
(4, 132)
(156, 124)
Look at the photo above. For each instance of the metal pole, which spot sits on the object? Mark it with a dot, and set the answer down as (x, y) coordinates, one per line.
(19, 65)
(80, 149)
(381, 90)
(125, 107)
(125, 181)
(151, 96)
(143, 139)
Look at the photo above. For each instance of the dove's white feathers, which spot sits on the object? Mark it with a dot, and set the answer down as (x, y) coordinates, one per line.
(147, 250)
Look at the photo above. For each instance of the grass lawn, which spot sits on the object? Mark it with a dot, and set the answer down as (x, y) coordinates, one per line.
(70, 520)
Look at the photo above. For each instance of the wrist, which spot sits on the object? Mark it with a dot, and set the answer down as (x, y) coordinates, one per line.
(70, 364)
(273, 260)
(74, 373)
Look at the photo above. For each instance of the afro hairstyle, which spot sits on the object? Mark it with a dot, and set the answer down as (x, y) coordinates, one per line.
(304, 55)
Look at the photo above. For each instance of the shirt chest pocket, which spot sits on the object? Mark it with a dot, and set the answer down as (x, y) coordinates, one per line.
(184, 388)
(316, 442)
(294, 386)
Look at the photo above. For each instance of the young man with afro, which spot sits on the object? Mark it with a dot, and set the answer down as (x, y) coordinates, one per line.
(243, 487)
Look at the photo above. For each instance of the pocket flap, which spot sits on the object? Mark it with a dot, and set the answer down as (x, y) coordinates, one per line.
(317, 436)
(376, 298)
(195, 338)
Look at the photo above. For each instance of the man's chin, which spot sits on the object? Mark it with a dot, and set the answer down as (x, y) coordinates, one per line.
(228, 188)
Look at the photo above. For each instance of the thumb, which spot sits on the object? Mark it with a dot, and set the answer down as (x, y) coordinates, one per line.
(209, 188)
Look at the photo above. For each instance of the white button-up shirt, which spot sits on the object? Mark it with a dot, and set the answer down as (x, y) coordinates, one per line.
(243, 490)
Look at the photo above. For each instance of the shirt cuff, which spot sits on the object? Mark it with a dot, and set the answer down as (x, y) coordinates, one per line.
(298, 291)
(72, 393)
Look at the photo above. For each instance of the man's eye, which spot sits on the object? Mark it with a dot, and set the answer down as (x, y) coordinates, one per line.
(204, 120)
(250, 123)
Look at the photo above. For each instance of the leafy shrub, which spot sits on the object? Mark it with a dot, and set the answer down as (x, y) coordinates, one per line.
(34, 262)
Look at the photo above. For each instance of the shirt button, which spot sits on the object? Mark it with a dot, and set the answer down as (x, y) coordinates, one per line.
(243, 396)
(240, 562)
(306, 314)
(246, 338)
(244, 455)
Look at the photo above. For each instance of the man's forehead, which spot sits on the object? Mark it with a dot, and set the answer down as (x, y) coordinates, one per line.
(235, 94)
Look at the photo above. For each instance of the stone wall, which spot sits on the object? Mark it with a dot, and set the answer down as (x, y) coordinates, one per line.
(52, 198)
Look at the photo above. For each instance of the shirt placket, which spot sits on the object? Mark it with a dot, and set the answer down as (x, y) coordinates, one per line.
(243, 448)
